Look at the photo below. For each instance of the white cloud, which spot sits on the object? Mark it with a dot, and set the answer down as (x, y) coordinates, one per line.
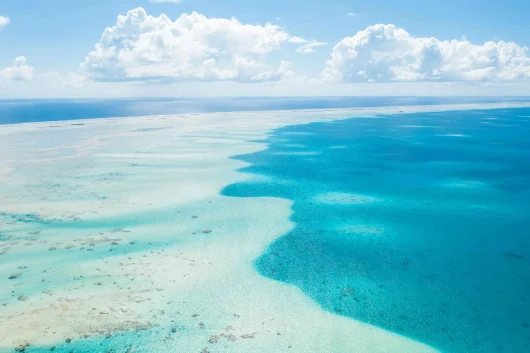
(166, 1)
(20, 71)
(386, 53)
(4, 21)
(352, 14)
(297, 40)
(191, 48)
(74, 80)
(308, 48)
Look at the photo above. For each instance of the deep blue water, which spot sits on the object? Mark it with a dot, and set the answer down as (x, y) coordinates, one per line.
(437, 245)
(33, 110)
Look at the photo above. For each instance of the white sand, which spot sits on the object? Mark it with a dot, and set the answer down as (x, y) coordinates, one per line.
(105, 177)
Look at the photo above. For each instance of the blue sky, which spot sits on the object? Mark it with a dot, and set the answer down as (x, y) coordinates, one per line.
(56, 36)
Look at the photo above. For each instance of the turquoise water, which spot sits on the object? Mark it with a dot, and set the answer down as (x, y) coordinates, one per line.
(415, 223)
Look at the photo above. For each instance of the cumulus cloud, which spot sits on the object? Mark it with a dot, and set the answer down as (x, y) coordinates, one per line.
(191, 48)
(386, 53)
(20, 71)
(4, 21)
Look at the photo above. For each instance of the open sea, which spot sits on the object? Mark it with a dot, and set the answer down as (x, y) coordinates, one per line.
(416, 223)
(34, 110)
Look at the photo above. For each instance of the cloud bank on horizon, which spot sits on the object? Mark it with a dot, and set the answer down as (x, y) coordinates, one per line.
(383, 53)
(194, 47)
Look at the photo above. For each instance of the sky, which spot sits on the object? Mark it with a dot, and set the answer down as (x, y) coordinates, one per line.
(171, 48)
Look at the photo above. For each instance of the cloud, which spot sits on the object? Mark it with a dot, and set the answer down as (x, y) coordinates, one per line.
(351, 14)
(386, 53)
(308, 48)
(20, 71)
(297, 40)
(191, 48)
(166, 1)
(4, 21)
(74, 80)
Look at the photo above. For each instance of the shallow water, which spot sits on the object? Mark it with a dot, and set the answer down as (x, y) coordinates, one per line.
(416, 223)
(124, 241)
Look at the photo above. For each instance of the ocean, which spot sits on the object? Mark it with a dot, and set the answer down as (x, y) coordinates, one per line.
(416, 223)
(241, 228)
(38, 110)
